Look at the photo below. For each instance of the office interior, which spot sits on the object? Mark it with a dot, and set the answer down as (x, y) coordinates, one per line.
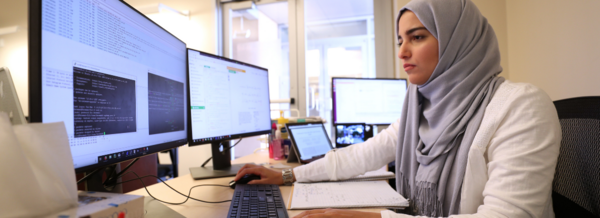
(552, 44)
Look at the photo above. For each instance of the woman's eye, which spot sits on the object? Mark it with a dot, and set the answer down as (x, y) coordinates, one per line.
(418, 37)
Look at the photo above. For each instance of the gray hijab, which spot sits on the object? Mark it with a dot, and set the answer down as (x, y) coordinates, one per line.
(441, 117)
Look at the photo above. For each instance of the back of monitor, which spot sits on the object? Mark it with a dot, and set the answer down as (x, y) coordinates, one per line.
(9, 102)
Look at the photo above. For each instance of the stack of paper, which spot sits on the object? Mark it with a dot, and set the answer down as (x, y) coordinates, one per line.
(380, 174)
(345, 195)
(373, 175)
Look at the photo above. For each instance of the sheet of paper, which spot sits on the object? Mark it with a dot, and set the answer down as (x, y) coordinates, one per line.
(376, 173)
(345, 195)
(380, 174)
(37, 169)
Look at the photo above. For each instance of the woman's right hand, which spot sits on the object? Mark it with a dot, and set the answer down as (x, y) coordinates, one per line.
(267, 176)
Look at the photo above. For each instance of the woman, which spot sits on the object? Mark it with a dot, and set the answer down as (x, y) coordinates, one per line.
(468, 142)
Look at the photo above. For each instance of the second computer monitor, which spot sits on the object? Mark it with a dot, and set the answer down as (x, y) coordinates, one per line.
(228, 100)
(365, 100)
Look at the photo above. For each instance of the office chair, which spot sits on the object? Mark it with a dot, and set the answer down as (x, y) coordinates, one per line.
(576, 185)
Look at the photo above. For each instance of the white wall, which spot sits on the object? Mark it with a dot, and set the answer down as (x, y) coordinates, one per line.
(554, 44)
(201, 31)
(494, 11)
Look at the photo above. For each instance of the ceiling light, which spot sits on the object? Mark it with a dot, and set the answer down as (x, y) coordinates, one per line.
(247, 9)
(157, 8)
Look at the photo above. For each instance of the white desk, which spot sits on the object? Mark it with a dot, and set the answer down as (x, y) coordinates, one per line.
(194, 208)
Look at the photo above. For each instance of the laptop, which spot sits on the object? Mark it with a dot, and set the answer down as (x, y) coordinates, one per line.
(309, 142)
(9, 101)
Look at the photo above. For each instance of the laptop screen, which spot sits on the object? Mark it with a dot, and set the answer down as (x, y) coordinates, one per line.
(310, 139)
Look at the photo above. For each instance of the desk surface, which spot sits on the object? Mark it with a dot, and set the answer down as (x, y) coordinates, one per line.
(194, 208)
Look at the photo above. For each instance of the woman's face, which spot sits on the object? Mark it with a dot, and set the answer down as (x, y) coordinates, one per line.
(418, 48)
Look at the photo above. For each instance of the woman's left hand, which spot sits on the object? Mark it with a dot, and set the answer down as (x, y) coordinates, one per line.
(336, 213)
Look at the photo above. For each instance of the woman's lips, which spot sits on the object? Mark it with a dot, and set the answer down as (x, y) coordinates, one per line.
(408, 67)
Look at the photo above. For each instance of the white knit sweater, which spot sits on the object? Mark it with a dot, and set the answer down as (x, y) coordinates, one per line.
(510, 164)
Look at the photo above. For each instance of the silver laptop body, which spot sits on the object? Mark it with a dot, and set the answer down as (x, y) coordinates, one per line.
(9, 101)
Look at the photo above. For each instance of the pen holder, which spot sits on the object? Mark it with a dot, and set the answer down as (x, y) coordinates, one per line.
(278, 153)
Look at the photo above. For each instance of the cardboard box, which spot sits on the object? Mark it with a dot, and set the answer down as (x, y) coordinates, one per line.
(104, 205)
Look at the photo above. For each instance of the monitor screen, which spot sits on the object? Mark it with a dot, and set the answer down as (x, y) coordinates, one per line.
(115, 78)
(228, 99)
(370, 101)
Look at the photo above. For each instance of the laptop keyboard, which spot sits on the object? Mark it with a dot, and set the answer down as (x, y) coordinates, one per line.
(260, 201)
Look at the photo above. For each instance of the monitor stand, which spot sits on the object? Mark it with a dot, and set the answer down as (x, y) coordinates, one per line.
(221, 158)
(95, 180)
(96, 183)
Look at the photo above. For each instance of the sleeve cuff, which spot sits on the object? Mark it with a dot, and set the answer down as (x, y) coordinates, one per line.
(311, 172)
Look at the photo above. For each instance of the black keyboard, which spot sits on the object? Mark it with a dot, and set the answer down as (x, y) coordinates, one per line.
(260, 201)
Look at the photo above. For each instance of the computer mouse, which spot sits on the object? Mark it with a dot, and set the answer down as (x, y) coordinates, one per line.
(244, 180)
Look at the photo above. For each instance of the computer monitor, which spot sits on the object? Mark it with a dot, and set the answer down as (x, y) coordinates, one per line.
(115, 78)
(9, 101)
(349, 134)
(366, 100)
(228, 100)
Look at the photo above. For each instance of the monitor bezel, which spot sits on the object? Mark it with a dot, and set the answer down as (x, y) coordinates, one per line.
(333, 103)
(191, 141)
(35, 82)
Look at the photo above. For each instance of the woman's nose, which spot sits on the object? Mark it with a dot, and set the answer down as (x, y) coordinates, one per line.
(403, 52)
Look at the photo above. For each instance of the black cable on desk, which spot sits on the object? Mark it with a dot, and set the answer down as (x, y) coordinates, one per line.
(187, 196)
(88, 175)
(111, 179)
(224, 150)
